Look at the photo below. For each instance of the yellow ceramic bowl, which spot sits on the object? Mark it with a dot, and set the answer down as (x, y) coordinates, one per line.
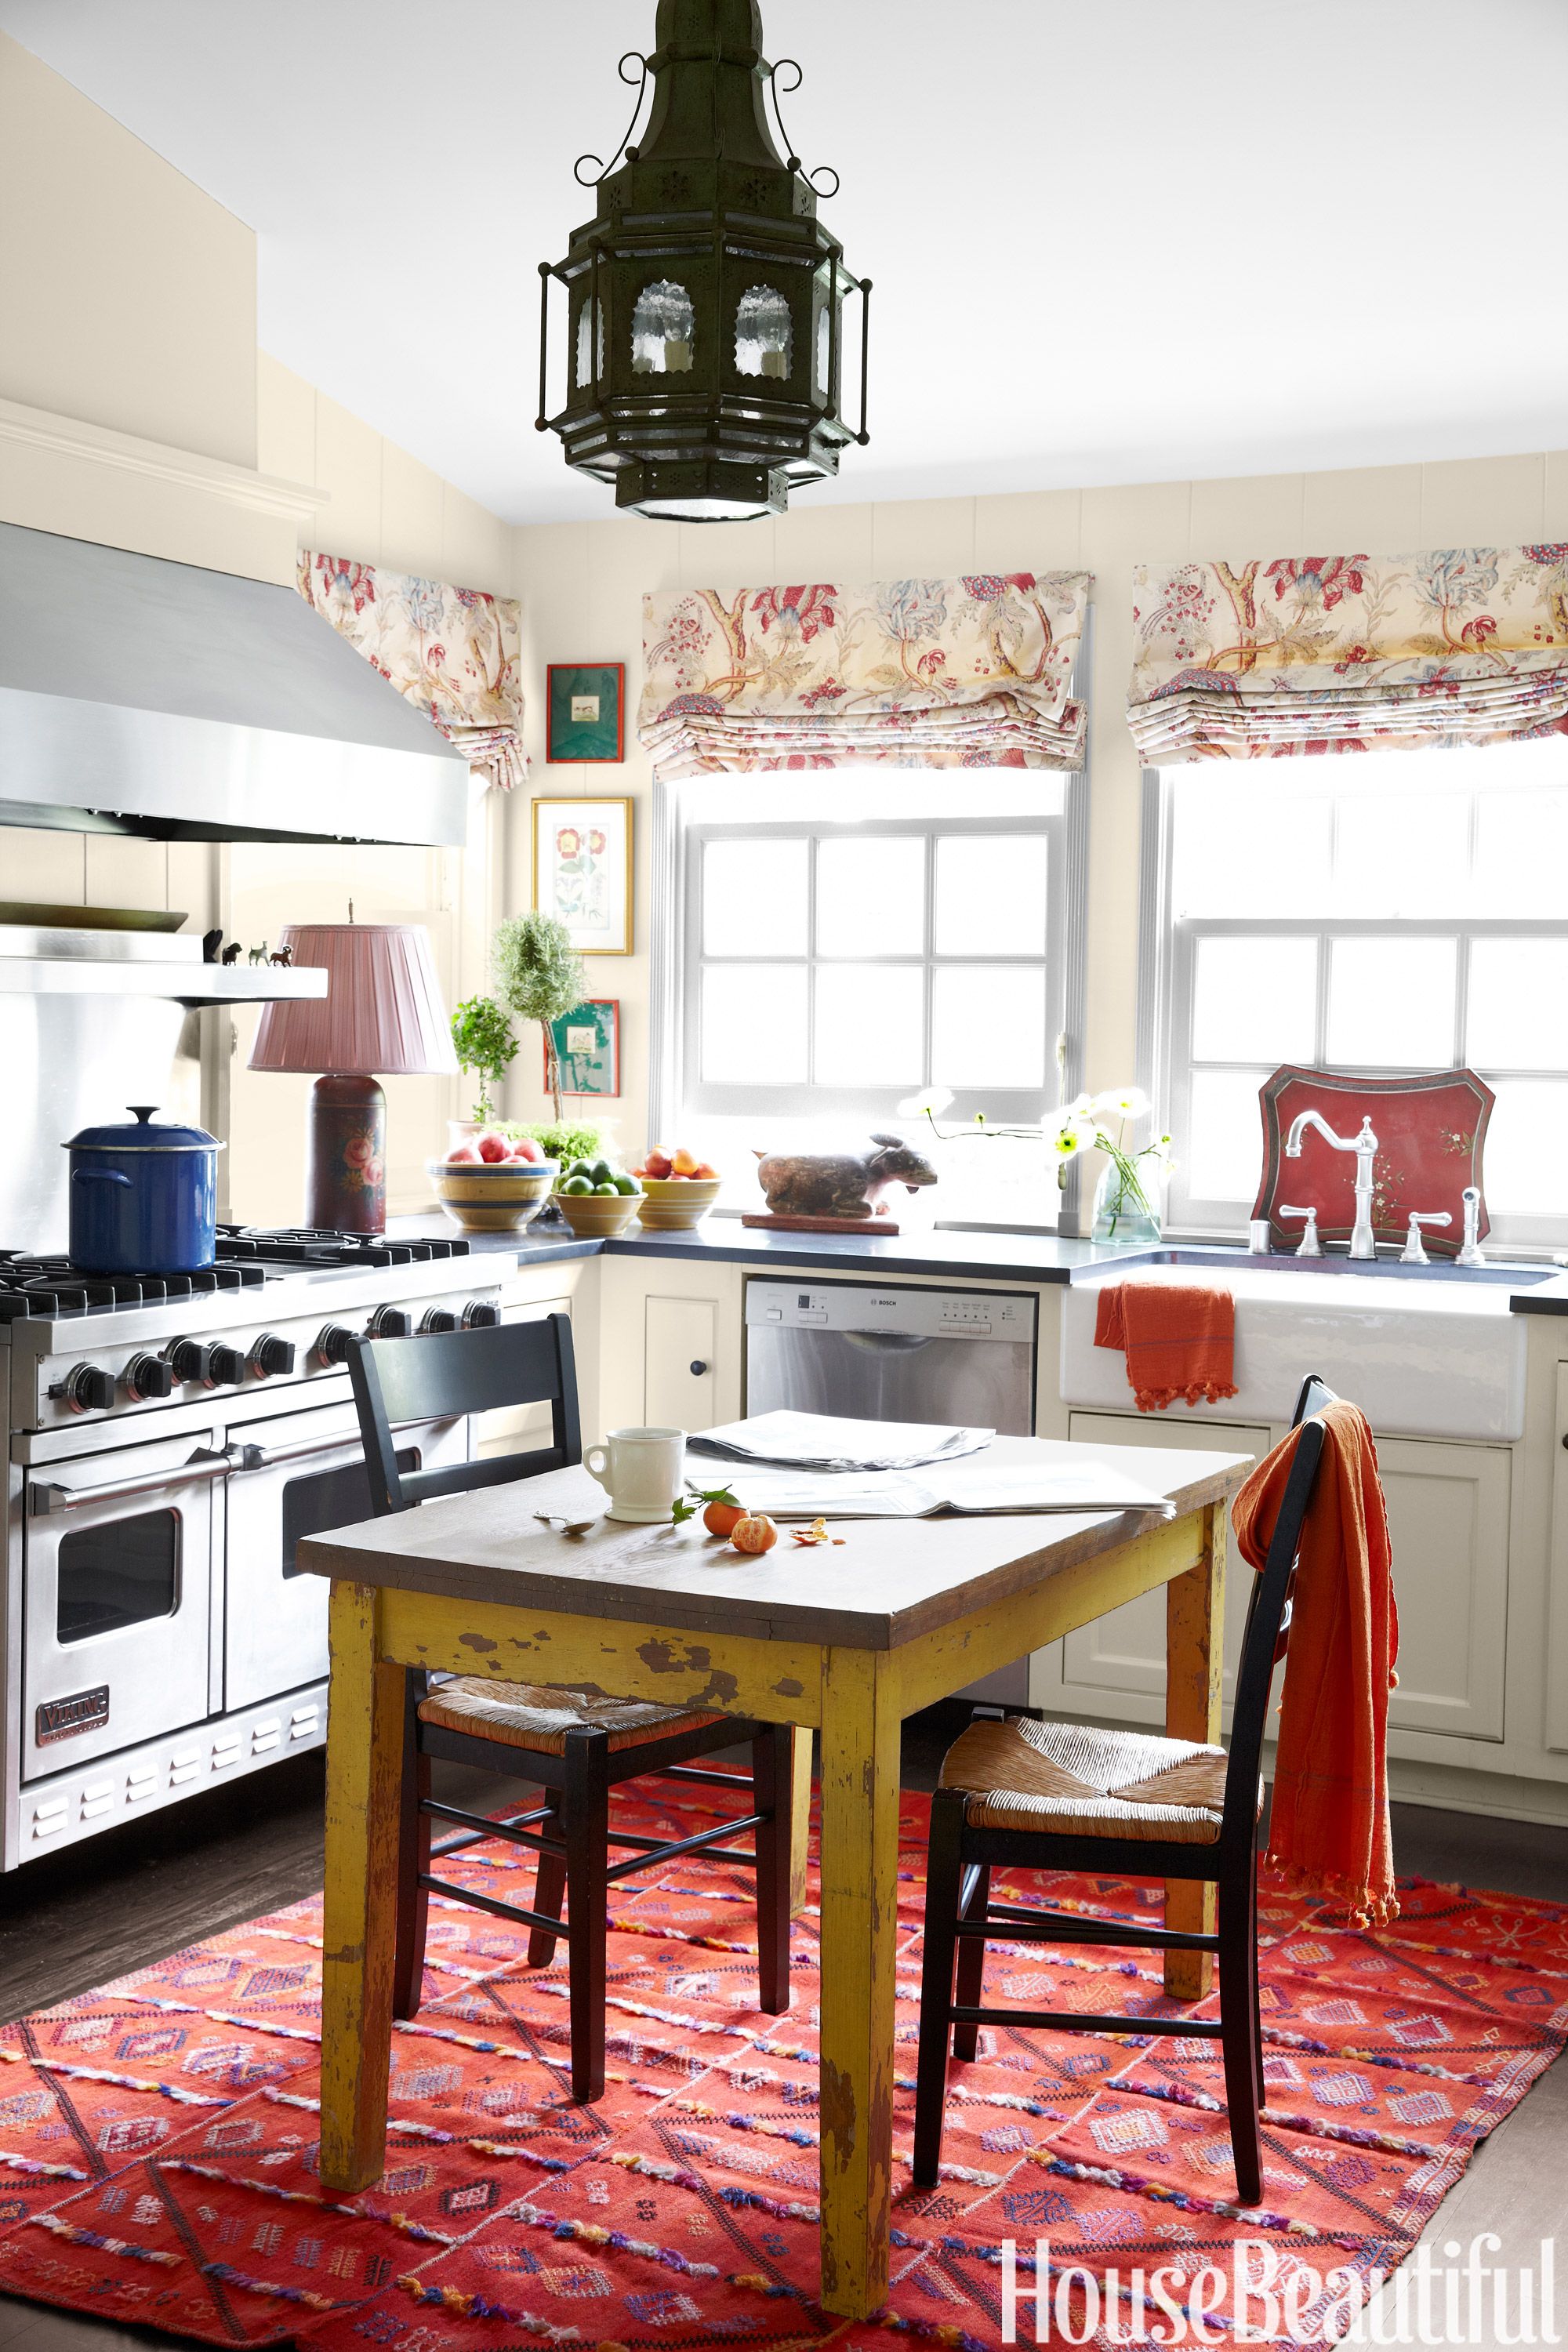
(597, 1216)
(676, 1204)
(492, 1197)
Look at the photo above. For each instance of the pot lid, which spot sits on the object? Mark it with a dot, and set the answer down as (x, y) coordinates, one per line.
(144, 1136)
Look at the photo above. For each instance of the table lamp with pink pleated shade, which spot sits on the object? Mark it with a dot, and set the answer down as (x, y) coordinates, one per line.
(383, 1013)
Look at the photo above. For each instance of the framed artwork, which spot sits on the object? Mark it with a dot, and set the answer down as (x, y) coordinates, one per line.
(583, 871)
(588, 1047)
(585, 711)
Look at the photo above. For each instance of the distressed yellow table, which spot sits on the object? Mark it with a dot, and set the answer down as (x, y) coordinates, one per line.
(845, 1640)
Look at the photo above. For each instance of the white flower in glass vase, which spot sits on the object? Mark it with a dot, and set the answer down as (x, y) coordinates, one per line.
(1128, 1198)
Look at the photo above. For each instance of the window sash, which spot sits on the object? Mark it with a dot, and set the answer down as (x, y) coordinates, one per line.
(1001, 1105)
(1174, 1085)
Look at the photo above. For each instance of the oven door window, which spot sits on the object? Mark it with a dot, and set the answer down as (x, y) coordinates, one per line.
(329, 1499)
(112, 1577)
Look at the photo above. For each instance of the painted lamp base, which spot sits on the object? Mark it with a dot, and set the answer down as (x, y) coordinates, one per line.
(346, 1156)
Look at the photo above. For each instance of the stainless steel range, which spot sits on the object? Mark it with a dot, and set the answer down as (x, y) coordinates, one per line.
(171, 1440)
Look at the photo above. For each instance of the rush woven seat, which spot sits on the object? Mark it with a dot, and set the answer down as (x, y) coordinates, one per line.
(1064, 1777)
(535, 1715)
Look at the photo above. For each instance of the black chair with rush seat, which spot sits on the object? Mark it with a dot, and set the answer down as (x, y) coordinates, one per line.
(577, 1745)
(1037, 1795)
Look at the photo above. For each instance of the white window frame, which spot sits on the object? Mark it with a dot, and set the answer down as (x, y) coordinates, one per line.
(679, 843)
(1167, 967)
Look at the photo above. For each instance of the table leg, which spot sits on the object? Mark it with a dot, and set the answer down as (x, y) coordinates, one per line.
(800, 1819)
(365, 1773)
(1194, 1660)
(859, 1938)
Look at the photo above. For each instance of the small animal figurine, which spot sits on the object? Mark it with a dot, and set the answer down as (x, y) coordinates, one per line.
(840, 1184)
(211, 943)
(231, 953)
(258, 955)
(285, 956)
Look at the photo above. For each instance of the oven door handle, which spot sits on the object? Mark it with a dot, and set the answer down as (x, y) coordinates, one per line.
(45, 1498)
(265, 1457)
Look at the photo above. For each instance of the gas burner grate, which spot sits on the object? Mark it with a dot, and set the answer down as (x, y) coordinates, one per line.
(305, 1245)
(51, 1285)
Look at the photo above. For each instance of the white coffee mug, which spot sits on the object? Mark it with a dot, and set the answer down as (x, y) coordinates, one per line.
(641, 1471)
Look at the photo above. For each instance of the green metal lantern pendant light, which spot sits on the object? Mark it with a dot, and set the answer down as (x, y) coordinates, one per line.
(705, 303)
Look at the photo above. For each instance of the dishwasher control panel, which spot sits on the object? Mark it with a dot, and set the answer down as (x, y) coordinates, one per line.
(869, 1308)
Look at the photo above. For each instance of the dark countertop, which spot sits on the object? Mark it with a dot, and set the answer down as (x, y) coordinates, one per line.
(1044, 1258)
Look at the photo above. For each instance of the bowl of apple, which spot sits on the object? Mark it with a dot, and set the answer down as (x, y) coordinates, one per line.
(677, 1190)
(488, 1184)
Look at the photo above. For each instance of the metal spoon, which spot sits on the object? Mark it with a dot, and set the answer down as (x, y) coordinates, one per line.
(568, 1527)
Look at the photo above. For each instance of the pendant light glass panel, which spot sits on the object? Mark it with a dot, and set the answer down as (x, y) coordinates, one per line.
(663, 330)
(590, 344)
(763, 336)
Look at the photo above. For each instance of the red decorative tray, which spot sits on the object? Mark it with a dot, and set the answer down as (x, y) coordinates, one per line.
(1429, 1131)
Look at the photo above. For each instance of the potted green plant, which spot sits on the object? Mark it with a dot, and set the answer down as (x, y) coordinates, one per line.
(486, 1049)
(539, 975)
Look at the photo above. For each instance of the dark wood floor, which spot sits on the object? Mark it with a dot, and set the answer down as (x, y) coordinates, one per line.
(72, 1920)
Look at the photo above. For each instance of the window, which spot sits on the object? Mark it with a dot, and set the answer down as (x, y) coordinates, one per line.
(849, 949)
(1378, 914)
(663, 326)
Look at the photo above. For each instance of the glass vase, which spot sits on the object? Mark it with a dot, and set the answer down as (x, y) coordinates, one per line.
(1129, 1207)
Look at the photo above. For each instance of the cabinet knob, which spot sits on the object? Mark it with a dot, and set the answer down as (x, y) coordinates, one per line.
(697, 1368)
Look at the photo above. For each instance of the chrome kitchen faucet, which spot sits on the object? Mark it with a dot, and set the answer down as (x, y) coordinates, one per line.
(1364, 1146)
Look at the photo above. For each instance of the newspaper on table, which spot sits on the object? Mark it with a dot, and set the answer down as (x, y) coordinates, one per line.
(1085, 1487)
(819, 1441)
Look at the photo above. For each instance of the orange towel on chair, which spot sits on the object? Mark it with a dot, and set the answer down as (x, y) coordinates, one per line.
(1179, 1337)
(1329, 1829)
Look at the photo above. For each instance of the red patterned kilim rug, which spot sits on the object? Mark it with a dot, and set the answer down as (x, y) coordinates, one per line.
(159, 2137)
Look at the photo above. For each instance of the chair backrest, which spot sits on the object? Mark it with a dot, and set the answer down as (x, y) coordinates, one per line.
(1266, 1635)
(442, 1375)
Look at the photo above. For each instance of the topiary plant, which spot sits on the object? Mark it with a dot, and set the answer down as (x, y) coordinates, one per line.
(539, 973)
(482, 1038)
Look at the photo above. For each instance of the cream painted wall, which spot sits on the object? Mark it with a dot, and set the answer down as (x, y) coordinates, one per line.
(127, 294)
(581, 585)
(380, 506)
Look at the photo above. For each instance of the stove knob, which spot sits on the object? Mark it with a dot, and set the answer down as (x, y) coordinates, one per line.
(389, 1323)
(191, 1361)
(86, 1389)
(269, 1355)
(479, 1315)
(227, 1368)
(333, 1341)
(438, 1318)
(147, 1376)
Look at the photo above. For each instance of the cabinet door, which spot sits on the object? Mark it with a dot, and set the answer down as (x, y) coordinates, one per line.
(681, 1337)
(1125, 1652)
(1447, 1522)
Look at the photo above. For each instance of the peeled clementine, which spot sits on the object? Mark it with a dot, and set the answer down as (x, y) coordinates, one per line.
(753, 1532)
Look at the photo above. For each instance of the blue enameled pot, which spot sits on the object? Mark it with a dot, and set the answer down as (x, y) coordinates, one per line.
(143, 1199)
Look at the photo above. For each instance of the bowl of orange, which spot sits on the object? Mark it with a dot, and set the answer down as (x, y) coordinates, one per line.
(678, 1191)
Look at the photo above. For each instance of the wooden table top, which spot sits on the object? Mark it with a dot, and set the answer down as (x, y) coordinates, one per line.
(889, 1581)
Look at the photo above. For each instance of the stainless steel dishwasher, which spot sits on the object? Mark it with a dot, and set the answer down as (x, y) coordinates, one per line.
(878, 1353)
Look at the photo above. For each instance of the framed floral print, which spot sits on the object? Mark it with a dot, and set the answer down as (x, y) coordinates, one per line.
(583, 871)
(588, 1047)
(585, 711)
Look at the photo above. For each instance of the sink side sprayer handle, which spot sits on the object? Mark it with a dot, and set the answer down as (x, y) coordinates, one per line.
(1470, 1250)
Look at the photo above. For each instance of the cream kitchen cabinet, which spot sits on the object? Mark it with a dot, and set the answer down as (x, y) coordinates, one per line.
(1448, 1525)
(1115, 1665)
(680, 1342)
(670, 1343)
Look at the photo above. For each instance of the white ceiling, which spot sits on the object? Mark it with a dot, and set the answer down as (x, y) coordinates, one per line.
(1110, 242)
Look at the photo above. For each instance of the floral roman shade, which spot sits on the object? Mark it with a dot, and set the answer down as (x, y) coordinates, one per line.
(971, 672)
(454, 651)
(1274, 657)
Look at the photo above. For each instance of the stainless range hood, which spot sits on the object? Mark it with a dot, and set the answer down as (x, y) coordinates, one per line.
(154, 698)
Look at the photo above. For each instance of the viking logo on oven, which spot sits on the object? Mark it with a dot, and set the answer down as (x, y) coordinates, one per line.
(63, 1718)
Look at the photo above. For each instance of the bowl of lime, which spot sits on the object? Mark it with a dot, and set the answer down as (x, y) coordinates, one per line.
(596, 1200)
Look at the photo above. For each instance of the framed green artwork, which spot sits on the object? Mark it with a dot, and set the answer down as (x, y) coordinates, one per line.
(588, 1047)
(585, 711)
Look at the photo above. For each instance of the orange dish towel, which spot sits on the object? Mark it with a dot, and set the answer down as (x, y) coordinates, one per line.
(1179, 1337)
(1329, 1829)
